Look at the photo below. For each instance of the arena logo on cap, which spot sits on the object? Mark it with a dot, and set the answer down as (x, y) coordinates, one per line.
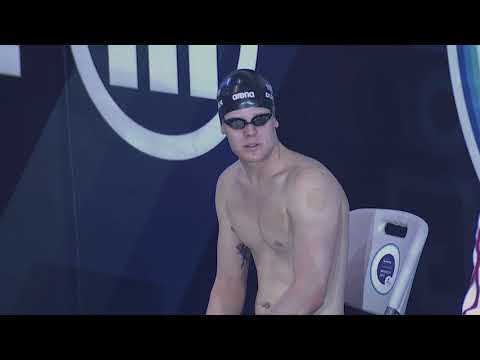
(164, 77)
(464, 65)
(244, 95)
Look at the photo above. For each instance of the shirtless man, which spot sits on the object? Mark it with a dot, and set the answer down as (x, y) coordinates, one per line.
(285, 210)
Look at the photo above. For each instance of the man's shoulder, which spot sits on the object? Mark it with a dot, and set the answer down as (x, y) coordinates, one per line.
(228, 175)
(314, 187)
(310, 174)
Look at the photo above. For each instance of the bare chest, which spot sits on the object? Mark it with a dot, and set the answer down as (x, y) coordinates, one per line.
(261, 220)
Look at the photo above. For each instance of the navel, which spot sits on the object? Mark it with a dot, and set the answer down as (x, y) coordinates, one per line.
(266, 305)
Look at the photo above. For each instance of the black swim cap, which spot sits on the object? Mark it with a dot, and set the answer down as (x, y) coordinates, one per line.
(244, 88)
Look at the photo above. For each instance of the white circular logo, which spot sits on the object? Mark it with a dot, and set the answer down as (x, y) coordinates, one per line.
(384, 269)
(168, 147)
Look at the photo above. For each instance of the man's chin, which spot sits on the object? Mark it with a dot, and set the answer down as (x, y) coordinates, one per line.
(250, 158)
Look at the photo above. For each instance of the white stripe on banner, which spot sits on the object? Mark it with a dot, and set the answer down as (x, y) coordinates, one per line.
(10, 60)
(203, 71)
(122, 65)
(471, 304)
(162, 61)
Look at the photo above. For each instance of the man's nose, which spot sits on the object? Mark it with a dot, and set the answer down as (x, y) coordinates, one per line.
(250, 129)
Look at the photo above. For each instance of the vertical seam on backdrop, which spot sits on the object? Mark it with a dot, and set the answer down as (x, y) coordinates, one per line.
(74, 195)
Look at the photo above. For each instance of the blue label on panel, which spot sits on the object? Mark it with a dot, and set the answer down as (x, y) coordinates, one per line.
(386, 268)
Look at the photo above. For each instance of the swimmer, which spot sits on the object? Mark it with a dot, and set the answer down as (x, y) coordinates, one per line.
(283, 210)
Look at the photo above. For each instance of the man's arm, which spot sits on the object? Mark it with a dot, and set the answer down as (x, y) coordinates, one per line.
(314, 207)
(228, 293)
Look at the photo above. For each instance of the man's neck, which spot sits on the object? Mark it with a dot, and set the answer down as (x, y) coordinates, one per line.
(260, 172)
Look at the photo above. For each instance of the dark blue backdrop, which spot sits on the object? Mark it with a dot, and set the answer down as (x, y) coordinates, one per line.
(91, 225)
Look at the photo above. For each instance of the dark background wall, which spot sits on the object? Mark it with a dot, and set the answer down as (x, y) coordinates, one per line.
(91, 225)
